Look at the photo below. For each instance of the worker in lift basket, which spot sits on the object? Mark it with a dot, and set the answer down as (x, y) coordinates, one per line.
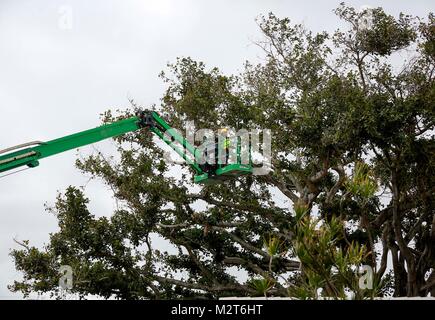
(226, 143)
(212, 152)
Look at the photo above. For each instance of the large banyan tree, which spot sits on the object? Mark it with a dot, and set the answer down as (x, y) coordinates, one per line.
(351, 182)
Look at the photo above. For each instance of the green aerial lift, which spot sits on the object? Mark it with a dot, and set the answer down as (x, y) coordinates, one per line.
(29, 154)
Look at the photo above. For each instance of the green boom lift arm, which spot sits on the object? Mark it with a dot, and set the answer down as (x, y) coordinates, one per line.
(30, 156)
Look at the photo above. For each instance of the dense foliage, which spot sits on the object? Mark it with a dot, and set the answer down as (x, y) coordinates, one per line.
(352, 181)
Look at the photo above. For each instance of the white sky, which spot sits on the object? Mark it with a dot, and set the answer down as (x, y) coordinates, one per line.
(55, 81)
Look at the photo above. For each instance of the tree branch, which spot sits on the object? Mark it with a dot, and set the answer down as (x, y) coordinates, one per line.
(281, 187)
(244, 244)
(196, 286)
(341, 178)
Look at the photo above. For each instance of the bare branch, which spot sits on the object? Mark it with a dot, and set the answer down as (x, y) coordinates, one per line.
(341, 179)
(216, 288)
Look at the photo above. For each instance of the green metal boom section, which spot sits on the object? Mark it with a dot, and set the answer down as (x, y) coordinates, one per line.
(144, 119)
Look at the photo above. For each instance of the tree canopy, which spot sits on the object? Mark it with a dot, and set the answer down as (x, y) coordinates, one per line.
(352, 180)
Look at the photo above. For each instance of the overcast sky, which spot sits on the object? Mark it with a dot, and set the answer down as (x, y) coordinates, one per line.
(62, 63)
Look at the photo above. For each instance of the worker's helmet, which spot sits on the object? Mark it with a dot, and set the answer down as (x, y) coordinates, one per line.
(223, 131)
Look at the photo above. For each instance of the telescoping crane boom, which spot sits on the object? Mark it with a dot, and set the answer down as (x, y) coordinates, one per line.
(29, 154)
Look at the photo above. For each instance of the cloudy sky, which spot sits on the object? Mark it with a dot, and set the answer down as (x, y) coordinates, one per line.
(62, 63)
